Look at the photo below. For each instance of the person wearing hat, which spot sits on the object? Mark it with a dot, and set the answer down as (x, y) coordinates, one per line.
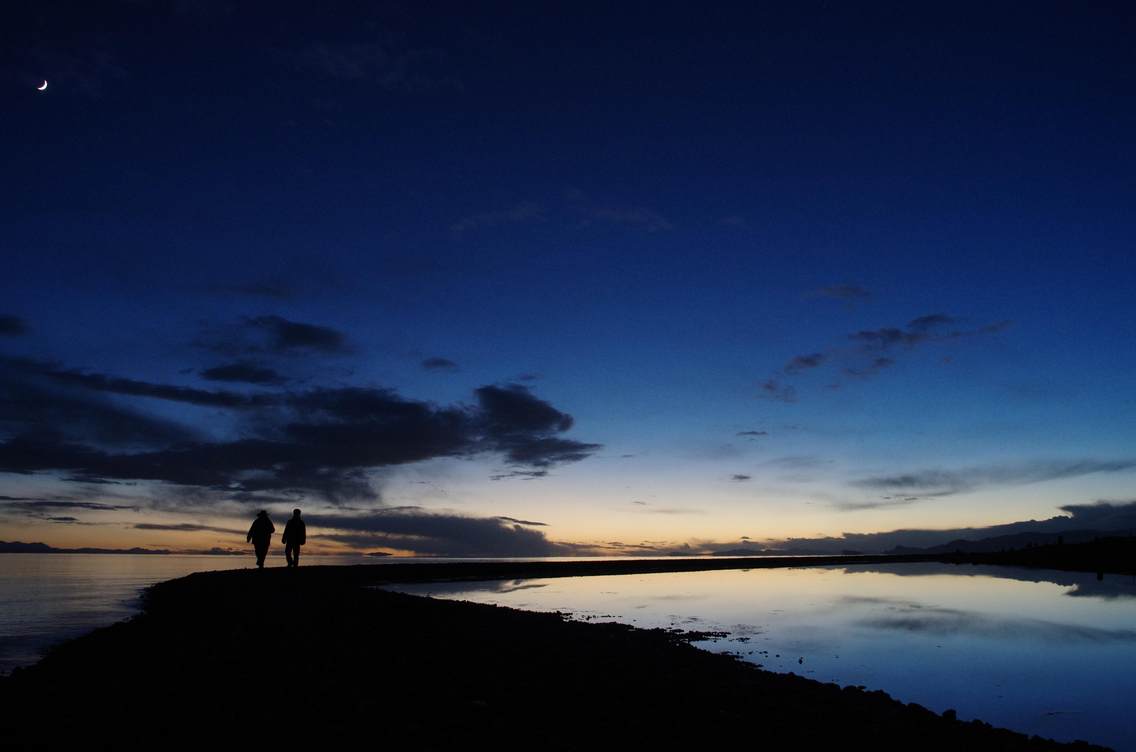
(260, 534)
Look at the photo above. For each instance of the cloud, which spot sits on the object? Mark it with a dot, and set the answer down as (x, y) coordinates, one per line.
(804, 362)
(48, 509)
(886, 502)
(186, 527)
(439, 364)
(522, 522)
(522, 474)
(930, 321)
(244, 372)
(12, 326)
(928, 328)
(275, 335)
(843, 292)
(540, 451)
(57, 504)
(287, 336)
(739, 477)
(32, 403)
(510, 419)
(887, 337)
(1108, 515)
(904, 616)
(521, 213)
(436, 534)
(872, 368)
(799, 461)
(521, 425)
(873, 350)
(323, 440)
(49, 373)
(672, 510)
(637, 216)
(776, 390)
(948, 482)
(752, 433)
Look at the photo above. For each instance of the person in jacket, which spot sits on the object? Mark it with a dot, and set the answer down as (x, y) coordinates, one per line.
(295, 535)
(260, 534)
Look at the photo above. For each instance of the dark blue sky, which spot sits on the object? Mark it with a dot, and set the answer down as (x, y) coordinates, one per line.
(892, 242)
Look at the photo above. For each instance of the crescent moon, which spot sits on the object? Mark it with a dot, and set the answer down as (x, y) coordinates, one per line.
(44, 87)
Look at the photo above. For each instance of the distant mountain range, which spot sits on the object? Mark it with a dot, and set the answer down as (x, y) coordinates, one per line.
(1007, 542)
(1082, 522)
(782, 552)
(18, 547)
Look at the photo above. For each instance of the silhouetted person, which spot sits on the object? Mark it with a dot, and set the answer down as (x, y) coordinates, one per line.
(295, 535)
(260, 534)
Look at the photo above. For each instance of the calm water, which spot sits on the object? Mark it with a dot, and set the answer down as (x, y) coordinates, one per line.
(48, 598)
(1050, 653)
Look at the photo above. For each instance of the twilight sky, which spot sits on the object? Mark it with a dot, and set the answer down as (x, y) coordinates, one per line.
(562, 278)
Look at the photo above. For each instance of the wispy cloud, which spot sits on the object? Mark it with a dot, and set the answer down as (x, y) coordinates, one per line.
(868, 352)
(275, 335)
(439, 364)
(50, 509)
(186, 527)
(520, 213)
(924, 483)
(12, 326)
(639, 217)
(804, 362)
(245, 372)
(843, 292)
(591, 212)
(777, 390)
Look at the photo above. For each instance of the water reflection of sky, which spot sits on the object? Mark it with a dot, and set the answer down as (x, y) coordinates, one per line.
(1050, 653)
(48, 598)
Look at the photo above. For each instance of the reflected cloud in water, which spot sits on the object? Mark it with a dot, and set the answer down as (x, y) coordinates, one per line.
(1011, 646)
(910, 616)
(1080, 584)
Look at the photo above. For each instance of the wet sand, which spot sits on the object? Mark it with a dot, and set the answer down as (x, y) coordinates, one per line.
(312, 657)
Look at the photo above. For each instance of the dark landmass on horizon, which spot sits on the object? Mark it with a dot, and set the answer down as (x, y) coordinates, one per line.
(1082, 523)
(1009, 542)
(19, 547)
(234, 655)
(1083, 550)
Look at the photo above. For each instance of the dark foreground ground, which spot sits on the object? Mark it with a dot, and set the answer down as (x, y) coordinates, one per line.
(309, 657)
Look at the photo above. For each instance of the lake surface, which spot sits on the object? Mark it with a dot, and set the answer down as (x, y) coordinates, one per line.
(1043, 652)
(48, 598)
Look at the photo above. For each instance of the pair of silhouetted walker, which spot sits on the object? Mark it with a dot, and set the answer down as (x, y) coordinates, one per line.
(295, 535)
